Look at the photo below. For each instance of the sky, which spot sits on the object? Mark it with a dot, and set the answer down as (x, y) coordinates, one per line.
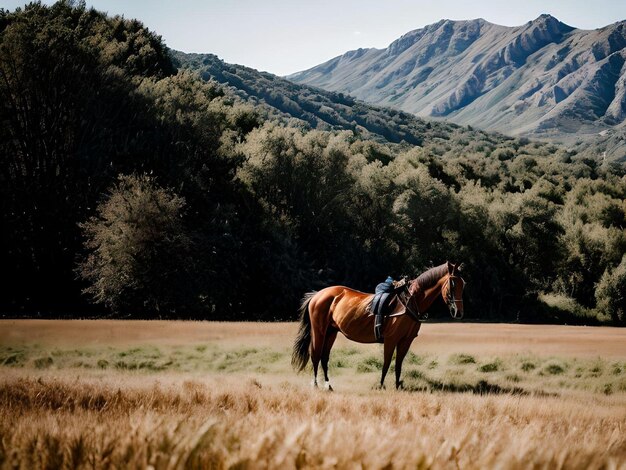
(287, 36)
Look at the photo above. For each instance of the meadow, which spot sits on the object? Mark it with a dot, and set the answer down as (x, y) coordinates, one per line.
(111, 394)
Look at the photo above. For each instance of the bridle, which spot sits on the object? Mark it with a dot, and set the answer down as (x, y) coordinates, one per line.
(410, 290)
(450, 295)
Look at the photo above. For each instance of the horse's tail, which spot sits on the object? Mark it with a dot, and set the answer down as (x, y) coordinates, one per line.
(300, 355)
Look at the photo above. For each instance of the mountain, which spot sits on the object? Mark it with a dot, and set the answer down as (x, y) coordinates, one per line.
(542, 79)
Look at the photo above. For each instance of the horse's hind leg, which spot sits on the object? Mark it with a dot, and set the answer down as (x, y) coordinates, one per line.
(331, 336)
(320, 319)
(317, 339)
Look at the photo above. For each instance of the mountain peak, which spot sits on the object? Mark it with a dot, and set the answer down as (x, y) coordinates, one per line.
(545, 17)
(549, 22)
(440, 35)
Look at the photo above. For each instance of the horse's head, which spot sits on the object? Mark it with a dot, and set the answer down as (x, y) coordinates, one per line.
(452, 291)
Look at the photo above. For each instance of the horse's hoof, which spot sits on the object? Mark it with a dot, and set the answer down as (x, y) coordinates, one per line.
(328, 387)
(400, 385)
(313, 383)
(379, 387)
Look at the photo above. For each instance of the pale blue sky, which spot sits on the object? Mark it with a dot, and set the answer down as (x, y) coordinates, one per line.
(286, 36)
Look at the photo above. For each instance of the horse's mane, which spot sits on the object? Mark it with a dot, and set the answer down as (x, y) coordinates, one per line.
(429, 278)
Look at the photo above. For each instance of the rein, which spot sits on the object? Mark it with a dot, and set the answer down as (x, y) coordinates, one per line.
(417, 316)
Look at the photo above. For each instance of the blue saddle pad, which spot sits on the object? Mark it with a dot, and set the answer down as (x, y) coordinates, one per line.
(384, 287)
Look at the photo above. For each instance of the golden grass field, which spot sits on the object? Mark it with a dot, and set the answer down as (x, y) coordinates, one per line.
(120, 394)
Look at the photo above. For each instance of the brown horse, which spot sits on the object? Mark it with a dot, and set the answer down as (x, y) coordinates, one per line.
(338, 308)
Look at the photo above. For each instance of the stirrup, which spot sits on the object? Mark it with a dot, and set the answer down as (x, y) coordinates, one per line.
(378, 333)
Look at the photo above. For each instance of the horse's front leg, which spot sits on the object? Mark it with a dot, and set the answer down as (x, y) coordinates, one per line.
(401, 351)
(389, 346)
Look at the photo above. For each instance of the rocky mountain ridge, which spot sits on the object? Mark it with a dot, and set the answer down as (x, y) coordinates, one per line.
(542, 79)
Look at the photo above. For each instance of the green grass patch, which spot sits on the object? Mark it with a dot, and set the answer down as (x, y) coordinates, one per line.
(412, 358)
(490, 367)
(338, 363)
(596, 370)
(415, 374)
(273, 356)
(232, 355)
(346, 351)
(554, 369)
(370, 364)
(126, 365)
(461, 359)
(129, 352)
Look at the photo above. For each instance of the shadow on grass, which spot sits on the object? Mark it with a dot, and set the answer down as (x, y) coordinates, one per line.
(422, 383)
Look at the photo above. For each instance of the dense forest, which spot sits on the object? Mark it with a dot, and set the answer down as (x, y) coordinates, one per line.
(135, 181)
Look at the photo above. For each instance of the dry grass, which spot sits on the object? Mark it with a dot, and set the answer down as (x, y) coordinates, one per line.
(229, 400)
(222, 424)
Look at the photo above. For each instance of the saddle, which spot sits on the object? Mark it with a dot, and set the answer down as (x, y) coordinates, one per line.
(383, 295)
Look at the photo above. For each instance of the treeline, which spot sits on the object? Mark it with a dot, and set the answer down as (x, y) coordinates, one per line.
(132, 187)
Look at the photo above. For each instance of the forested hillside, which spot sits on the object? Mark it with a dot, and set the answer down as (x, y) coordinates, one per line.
(133, 186)
(280, 99)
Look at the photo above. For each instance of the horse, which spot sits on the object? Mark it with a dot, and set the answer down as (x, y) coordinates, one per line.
(340, 309)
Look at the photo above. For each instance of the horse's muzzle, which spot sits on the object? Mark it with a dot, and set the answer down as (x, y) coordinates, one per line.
(455, 312)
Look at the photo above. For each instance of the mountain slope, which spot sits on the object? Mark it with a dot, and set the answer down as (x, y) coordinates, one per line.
(544, 78)
(320, 109)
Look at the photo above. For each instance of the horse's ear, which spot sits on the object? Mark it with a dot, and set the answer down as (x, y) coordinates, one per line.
(451, 267)
(459, 267)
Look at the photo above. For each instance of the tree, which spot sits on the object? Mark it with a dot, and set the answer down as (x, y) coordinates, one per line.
(611, 293)
(70, 116)
(140, 257)
(424, 213)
